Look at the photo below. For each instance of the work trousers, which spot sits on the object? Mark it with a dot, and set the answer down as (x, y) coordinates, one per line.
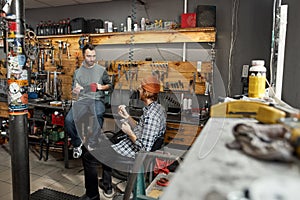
(104, 154)
(79, 115)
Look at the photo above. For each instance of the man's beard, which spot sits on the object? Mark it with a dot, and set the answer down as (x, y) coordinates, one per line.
(90, 63)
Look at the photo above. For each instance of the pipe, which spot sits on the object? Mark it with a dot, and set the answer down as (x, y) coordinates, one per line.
(184, 44)
(18, 137)
(18, 141)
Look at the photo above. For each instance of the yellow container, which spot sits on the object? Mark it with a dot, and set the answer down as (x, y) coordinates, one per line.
(257, 79)
(257, 86)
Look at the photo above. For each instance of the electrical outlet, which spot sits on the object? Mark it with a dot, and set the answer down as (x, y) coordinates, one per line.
(245, 71)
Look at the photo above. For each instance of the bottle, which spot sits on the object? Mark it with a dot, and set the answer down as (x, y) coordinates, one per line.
(135, 27)
(110, 27)
(68, 27)
(257, 79)
(41, 28)
(121, 27)
(143, 24)
(37, 30)
(190, 102)
(185, 104)
(105, 26)
(129, 24)
(63, 27)
(58, 28)
(55, 28)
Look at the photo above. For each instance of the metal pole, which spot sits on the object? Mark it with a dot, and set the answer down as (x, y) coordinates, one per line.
(19, 157)
(18, 101)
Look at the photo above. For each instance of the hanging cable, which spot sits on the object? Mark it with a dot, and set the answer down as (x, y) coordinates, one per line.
(131, 48)
(274, 40)
(133, 18)
(234, 23)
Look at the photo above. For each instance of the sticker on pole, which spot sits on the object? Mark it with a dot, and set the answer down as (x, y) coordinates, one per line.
(17, 97)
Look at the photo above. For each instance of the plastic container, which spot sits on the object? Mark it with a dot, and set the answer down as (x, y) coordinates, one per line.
(129, 24)
(257, 79)
(143, 24)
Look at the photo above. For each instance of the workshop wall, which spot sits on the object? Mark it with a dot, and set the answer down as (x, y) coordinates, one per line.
(252, 39)
(291, 80)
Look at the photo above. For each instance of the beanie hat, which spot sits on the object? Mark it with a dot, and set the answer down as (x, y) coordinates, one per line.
(151, 84)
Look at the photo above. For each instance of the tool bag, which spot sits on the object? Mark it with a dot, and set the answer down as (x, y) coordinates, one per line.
(92, 24)
(78, 25)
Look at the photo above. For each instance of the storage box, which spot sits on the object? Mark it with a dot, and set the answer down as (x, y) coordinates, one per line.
(188, 20)
(58, 120)
(78, 25)
(154, 190)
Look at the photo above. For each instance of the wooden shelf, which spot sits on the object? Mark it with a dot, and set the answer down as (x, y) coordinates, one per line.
(122, 38)
(146, 37)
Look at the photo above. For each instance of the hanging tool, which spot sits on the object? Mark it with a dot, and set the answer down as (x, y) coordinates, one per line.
(194, 81)
(55, 93)
(119, 71)
(42, 61)
(136, 74)
(31, 45)
(51, 55)
(167, 69)
(126, 74)
(77, 59)
(47, 55)
(60, 51)
(83, 41)
(68, 50)
(64, 47)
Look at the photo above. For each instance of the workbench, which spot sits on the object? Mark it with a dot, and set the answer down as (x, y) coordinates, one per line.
(62, 109)
(212, 171)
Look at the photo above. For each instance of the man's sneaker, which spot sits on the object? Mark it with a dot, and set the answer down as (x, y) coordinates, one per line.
(107, 192)
(77, 151)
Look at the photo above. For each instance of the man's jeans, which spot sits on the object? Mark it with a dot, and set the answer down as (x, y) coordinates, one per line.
(79, 115)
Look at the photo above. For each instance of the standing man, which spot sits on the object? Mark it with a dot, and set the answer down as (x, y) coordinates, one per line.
(140, 135)
(89, 83)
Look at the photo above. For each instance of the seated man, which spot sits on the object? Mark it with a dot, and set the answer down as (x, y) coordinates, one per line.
(141, 135)
(89, 83)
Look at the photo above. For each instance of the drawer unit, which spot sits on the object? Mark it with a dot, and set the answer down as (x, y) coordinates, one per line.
(181, 134)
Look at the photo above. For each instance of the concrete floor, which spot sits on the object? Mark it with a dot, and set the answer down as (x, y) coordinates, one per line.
(44, 174)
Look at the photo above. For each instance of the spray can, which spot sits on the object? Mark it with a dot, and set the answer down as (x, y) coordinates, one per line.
(257, 79)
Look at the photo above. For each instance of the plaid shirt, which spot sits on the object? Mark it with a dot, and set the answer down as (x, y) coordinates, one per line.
(151, 125)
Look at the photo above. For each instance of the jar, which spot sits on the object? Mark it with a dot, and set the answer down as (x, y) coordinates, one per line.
(257, 79)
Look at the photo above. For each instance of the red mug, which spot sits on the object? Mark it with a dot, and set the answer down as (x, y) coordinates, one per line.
(93, 87)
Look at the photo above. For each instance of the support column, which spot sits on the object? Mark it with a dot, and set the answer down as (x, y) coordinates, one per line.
(17, 79)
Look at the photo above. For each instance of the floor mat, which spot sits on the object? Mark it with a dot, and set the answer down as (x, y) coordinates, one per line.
(49, 194)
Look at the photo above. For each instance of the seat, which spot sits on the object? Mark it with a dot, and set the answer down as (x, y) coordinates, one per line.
(140, 169)
(123, 176)
(136, 179)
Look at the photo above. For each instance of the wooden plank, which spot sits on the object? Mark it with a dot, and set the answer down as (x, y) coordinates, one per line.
(164, 36)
